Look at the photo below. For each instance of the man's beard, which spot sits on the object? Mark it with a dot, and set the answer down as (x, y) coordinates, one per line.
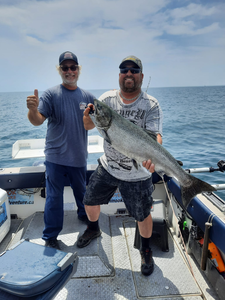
(132, 89)
(68, 81)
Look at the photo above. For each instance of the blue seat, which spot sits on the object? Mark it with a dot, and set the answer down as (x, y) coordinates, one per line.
(35, 272)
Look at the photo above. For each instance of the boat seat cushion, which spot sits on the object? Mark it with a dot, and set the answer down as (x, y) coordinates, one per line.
(30, 269)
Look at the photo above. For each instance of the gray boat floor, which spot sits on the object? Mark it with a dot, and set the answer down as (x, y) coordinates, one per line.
(109, 267)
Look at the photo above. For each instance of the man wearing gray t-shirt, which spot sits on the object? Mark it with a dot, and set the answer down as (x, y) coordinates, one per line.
(118, 171)
(66, 143)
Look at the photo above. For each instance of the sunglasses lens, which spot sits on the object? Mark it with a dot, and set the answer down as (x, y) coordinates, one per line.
(73, 68)
(133, 70)
(124, 71)
(66, 68)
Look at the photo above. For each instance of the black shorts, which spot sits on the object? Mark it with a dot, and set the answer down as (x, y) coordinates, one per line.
(137, 196)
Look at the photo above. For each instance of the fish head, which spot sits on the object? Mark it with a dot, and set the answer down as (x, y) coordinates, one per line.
(102, 116)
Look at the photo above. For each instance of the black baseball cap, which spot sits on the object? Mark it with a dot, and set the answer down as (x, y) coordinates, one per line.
(67, 56)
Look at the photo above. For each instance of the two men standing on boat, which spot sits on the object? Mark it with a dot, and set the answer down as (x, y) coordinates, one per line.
(66, 143)
(117, 171)
(66, 153)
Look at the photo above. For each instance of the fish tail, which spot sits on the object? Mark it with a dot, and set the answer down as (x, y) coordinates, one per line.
(196, 187)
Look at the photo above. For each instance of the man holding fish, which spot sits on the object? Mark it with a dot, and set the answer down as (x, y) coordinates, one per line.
(117, 170)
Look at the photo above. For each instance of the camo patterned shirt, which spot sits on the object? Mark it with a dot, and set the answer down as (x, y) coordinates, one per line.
(144, 112)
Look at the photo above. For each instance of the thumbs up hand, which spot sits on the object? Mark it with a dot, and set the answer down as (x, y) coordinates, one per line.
(33, 101)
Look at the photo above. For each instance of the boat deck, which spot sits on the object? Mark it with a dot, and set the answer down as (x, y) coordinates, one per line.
(109, 268)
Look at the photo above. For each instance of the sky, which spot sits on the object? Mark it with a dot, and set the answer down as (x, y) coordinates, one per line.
(180, 43)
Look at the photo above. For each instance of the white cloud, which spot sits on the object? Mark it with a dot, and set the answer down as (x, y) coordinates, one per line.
(193, 10)
(189, 28)
(101, 33)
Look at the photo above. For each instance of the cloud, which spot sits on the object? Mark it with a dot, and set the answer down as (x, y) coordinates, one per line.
(189, 28)
(191, 10)
(102, 32)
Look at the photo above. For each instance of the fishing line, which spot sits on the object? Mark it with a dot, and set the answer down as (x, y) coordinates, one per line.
(189, 262)
(148, 84)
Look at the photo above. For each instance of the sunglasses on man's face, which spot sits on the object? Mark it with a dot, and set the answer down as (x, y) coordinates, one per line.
(66, 68)
(133, 70)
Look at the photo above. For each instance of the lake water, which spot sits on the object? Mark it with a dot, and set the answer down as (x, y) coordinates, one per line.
(193, 127)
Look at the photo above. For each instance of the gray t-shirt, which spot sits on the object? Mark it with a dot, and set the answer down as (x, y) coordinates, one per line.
(66, 138)
(146, 113)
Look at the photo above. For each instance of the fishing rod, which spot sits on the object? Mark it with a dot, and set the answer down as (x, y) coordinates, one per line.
(220, 164)
(221, 168)
(148, 84)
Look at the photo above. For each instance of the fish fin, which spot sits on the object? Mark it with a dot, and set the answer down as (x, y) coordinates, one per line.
(180, 162)
(196, 187)
(152, 134)
(135, 164)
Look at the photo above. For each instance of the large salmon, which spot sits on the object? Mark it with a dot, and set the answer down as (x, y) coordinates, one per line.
(140, 145)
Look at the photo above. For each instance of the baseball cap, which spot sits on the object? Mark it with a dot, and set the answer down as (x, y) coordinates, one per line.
(68, 56)
(133, 59)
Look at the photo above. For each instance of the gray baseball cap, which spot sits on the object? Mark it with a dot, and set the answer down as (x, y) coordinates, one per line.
(133, 59)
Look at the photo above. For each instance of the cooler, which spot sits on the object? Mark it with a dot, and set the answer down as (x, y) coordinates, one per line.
(5, 220)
